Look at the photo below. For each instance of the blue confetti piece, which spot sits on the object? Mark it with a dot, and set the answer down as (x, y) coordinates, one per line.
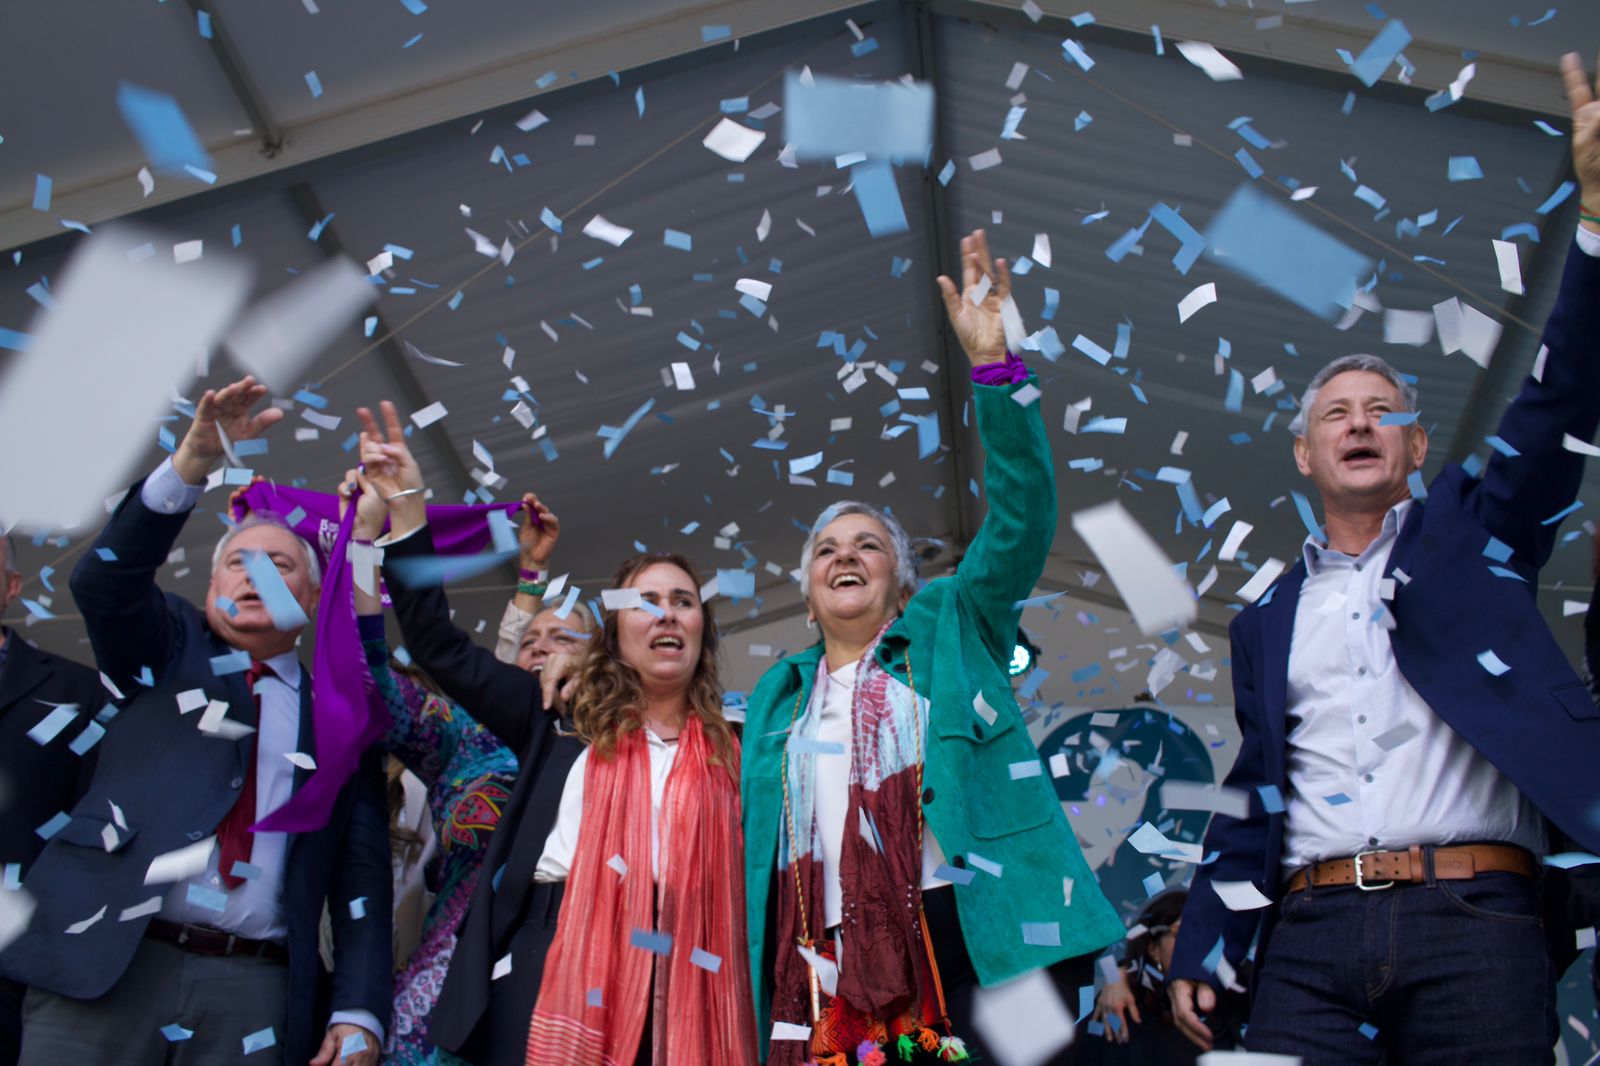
(1464, 168)
(1499, 571)
(1559, 515)
(1308, 519)
(245, 871)
(545, 80)
(1087, 673)
(1398, 418)
(41, 192)
(1271, 798)
(207, 898)
(736, 584)
(715, 33)
(1499, 444)
(1337, 799)
(1091, 349)
(677, 239)
(54, 825)
(355, 1043)
(416, 7)
(1042, 934)
(1161, 47)
(1368, 1030)
(1082, 121)
(947, 172)
(879, 199)
(13, 341)
(1188, 237)
(175, 1032)
(1213, 957)
(313, 83)
(1246, 160)
(287, 614)
(735, 105)
(1272, 245)
(259, 1040)
(1154, 884)
(866, 47)
(1082, 19)
(1419, 490)
(234, 662)
(1380, 52)
(953, 875)
(425, 571)
(1234, 400)
(412, 41)
(358, 908)
(638, 100)
(658, 943)
(813, 746)
(1557, 198)
(1547, 128)
(633, 420)
(169, 142)
(1497, 550)
(705, 960)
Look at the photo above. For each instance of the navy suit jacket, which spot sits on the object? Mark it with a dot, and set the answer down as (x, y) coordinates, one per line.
(174, 785)
(1536, 722)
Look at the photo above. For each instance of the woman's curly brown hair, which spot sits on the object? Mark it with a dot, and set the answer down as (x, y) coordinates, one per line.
(610, 696)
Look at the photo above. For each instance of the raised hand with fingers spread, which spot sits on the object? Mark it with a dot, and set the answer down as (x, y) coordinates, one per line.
(223, 412)
(975, 311)
(392, 470)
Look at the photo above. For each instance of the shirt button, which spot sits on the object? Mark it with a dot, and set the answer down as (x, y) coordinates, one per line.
(1372, 840)
(237, 782)
(1361, 718)
(927, 795)
(1358, 568)
(1355, 614)
(1369, 779)
(194, 834)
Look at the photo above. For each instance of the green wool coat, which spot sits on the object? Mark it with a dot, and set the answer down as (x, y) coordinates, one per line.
(959, 631)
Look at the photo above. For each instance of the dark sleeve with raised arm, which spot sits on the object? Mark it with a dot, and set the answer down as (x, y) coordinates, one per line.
(503, 697)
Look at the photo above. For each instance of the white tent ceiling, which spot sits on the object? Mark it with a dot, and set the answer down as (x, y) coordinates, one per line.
(401, 137)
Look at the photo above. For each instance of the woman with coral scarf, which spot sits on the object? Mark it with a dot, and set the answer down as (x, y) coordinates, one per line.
(648, 840)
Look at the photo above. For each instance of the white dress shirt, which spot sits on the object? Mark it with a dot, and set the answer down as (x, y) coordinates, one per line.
(252, 909)
(555, 863)
(837, 691)
(1358, 730)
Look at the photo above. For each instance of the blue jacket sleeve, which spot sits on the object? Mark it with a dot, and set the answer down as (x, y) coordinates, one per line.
(1240, 844)
(363, 950)
(1519, 492)
(114, 586)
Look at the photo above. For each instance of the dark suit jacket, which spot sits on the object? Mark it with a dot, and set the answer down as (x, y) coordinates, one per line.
(40, 781)
(507, 701)
(1536, 722)
(174, 785)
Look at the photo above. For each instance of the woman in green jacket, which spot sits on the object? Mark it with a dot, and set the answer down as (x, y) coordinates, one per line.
(896, 814)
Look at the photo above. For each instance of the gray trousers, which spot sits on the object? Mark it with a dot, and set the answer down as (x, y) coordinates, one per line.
(220, 1001)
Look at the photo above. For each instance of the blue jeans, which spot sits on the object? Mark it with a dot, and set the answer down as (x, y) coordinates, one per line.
(1446, 972)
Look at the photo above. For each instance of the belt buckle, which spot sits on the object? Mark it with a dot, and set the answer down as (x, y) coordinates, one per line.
(1361, 882)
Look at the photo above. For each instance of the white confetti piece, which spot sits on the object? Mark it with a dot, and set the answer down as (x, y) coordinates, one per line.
(301, 759)
(1199, 297)
(732, 141)
(187, 251)
(682, 376)
(1253, 589)
(985, 160)
(180, 864)
(1216, 66)
(1505, 255)
(1156, 596)
(827, 970)
(790, 1031)
(602, 230)
(77, 927)
(1235, 537)
(429, 414)
(1240, 895)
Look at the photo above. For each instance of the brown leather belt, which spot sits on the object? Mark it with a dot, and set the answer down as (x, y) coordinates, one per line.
(199, 940)
(1384, 869)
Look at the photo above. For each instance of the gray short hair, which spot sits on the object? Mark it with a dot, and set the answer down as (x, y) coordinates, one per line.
(1372, 364)
(263, 518)
(906, 560)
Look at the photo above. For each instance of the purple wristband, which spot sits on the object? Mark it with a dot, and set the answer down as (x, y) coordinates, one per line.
(533, 577)
(1009, 372)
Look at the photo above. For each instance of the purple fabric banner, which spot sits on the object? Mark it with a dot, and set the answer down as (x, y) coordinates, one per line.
(346, 711)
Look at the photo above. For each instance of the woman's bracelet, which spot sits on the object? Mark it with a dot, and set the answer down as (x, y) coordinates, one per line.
(1584, 216)
(535, 589)
(535, 576)
(403, 492)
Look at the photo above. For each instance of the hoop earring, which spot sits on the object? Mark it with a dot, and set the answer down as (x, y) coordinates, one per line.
(811, 623)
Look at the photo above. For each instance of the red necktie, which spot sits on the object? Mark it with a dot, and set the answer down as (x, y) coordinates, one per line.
(234, 834)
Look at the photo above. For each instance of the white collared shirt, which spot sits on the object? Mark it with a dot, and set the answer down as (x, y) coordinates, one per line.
(1357, 729)
(560, 847)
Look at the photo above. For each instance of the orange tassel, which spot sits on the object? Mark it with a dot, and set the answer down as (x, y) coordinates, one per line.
(928, 1040)
(837, 1059)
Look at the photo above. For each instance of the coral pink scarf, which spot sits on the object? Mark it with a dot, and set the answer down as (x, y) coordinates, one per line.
(591, 1008)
